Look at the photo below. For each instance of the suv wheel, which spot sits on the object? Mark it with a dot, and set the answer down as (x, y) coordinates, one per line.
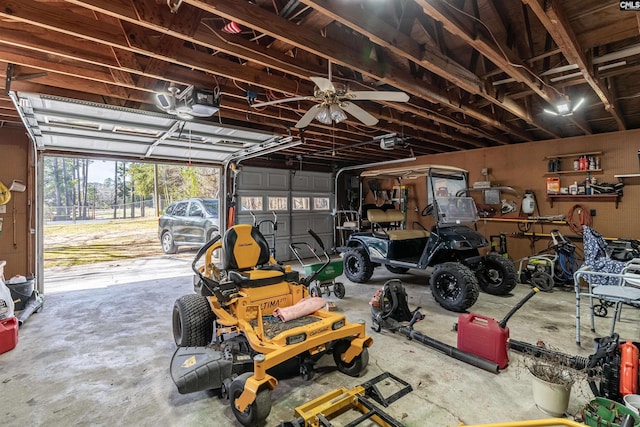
(357, 266)
(497, 275)
(454, 286)
(168, 245)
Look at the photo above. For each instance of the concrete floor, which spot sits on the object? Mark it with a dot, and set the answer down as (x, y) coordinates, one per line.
(99, 352)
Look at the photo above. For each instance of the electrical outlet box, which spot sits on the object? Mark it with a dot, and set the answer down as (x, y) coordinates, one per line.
(592, 212)
(3, 209)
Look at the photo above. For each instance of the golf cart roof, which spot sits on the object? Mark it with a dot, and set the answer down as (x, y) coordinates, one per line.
(410, 172)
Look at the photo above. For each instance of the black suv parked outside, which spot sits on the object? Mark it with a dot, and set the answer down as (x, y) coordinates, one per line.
(191, 222)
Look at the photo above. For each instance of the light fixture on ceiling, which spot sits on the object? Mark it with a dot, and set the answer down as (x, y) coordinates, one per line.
(564, 108)
(188, 103)
(337, 115)
(329, 113)
(324, 114)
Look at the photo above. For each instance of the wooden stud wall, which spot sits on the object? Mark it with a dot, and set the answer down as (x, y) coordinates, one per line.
(16, 240)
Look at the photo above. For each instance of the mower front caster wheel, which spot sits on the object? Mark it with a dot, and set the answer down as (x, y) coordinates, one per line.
(353, 368)
(255, 413)
(224, 389)
(306, 371)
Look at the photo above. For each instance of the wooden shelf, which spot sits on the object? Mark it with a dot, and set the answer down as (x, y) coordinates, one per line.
(562, 156)
(622, 177)
(523, 220)
(574, 172)
(583, 198)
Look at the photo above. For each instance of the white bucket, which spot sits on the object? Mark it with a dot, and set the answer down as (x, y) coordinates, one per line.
(550, 398)
(632, 401)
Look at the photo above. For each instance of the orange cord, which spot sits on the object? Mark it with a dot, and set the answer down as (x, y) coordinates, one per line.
(584, 218)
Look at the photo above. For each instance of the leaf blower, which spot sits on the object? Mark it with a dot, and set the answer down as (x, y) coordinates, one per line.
(390, 310)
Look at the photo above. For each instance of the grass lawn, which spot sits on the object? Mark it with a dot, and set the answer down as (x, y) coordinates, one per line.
(88, 242)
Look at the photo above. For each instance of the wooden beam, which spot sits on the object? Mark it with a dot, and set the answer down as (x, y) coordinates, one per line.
(556, 23)
(336, 51)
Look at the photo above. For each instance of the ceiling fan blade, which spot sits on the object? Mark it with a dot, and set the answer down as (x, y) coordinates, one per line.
(279, 101)
(308, 117)
(358, 113)
(375, 95)
(323, 84)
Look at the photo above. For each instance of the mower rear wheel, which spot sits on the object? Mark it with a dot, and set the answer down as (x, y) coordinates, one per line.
(353, 368)
(256, 412)
(497, 276)
(454, 286)
(192, 321)
(357, 265)
(396, 270)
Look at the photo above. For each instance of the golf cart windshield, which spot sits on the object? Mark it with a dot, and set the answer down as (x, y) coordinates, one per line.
(456, 210)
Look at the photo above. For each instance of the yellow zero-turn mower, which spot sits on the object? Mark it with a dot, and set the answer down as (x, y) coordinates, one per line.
(228, 334)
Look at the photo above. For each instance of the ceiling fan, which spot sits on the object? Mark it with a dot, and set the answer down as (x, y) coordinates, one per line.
(335, 100)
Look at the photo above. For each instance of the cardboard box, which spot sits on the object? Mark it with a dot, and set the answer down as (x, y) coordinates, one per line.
(553, 185)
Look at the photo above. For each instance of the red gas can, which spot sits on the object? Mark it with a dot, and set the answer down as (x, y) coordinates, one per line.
(484, 337)
(8, 334)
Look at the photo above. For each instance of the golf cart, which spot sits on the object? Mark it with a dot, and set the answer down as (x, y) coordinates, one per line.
(233, 337)
(459, 254)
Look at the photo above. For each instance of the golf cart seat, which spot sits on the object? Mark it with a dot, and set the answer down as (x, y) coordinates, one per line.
(388, 223)
(247, 260)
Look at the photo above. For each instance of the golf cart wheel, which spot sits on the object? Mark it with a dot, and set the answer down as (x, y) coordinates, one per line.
(255, 413)
(192, 321)
(497, 276)
(396, 270)
(339, 290)
(357, 266)
(542, 281)
(315, 291)
(454, 286)
(168, 245)
(355, 367)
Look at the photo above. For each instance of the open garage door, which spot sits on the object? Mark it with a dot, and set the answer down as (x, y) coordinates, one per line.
(67, 127)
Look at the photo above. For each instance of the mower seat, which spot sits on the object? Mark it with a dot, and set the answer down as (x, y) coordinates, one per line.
(246, 258)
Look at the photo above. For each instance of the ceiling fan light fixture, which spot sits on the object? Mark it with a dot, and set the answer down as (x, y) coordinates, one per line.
(337, 115)
(324, 115)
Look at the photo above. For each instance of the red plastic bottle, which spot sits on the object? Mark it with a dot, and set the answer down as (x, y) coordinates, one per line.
(628, 368)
